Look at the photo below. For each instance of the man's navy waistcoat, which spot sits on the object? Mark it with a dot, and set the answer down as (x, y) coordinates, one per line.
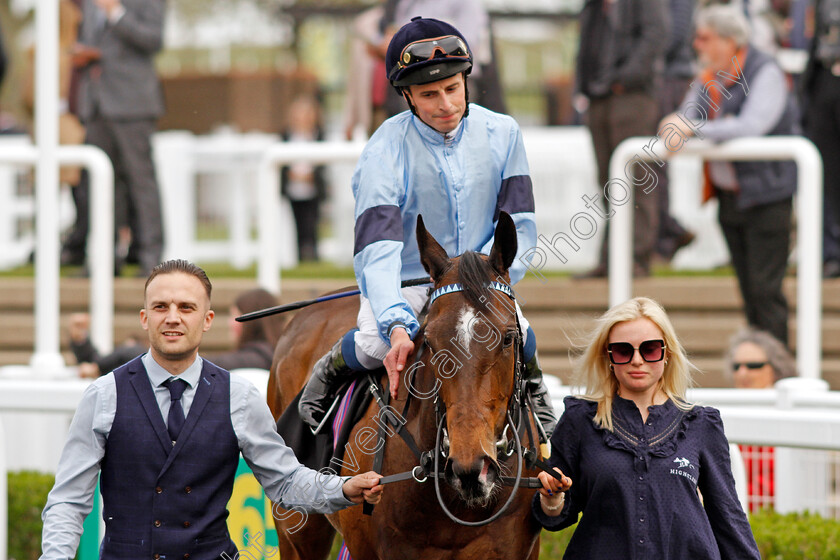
(163, 501)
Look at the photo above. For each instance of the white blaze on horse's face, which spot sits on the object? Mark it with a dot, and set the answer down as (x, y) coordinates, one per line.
(465, 326)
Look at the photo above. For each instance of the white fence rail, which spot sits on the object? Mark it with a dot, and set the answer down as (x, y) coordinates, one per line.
(809, 223)
(47, 358)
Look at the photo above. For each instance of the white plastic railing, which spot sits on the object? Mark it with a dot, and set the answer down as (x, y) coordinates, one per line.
(809, 224)
(100, 253)
(268, 177)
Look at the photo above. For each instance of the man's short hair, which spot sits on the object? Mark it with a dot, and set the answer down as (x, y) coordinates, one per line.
(727, 21)
(183, 266)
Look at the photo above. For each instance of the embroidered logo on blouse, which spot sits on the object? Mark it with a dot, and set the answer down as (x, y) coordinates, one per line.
(683, 463)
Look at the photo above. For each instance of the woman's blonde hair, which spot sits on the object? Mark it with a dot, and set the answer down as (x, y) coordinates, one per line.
(594, 369)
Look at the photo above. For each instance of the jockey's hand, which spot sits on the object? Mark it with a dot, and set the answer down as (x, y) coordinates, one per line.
(553, 492)
(363, 487)
(401, 347)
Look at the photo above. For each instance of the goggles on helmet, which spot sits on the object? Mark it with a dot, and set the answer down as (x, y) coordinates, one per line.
(449, 46)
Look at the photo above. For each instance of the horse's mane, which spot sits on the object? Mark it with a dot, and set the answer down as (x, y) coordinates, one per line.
(474, 274)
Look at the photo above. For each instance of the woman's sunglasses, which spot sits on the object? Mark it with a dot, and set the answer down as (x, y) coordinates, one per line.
(749, 365)
(449, 46)
(650, 350)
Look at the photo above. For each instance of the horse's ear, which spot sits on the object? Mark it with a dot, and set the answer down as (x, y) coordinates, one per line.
(434, 258)
(504, 244)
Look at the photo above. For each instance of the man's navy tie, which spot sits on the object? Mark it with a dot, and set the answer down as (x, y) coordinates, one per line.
(176, 411)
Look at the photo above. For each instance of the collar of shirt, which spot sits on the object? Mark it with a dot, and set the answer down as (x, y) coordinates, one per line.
(158, 375)
(433, 136)
(627, 410)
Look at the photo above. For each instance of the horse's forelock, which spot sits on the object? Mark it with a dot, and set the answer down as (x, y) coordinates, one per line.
(474, 275)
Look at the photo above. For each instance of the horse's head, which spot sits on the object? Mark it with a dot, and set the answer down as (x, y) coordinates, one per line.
(472, 333)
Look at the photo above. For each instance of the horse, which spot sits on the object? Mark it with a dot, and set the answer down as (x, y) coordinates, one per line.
(462, 382)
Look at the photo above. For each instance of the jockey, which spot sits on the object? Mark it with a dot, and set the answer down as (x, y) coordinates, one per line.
(458, 165)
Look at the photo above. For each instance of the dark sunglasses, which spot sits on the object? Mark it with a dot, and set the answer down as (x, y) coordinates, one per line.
(449, 46)
(749, 365)
(650, 350)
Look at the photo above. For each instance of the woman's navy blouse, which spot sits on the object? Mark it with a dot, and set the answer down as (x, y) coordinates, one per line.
(637, 485)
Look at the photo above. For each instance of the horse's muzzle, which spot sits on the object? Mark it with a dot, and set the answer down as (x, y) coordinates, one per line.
(475, 482)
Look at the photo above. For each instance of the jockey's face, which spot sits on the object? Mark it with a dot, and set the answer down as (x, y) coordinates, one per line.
(440, 104)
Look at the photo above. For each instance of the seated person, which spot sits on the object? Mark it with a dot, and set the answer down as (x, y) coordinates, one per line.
(254, 340)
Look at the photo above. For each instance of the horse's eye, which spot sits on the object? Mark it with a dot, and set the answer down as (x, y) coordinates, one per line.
(510, 336)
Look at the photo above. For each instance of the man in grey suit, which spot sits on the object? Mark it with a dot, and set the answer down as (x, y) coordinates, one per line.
(120, 100)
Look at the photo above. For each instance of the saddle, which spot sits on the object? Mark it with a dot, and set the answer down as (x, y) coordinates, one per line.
(326, 449)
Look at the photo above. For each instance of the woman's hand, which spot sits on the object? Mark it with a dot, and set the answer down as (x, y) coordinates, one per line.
(552, 494)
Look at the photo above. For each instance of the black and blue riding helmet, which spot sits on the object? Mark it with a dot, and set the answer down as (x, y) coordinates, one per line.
(426, 50)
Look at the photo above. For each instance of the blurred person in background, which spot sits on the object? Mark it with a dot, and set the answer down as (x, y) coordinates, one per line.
(305, 184)
(254, 341)
(90, 362)
(756, 360)
(821, 92)
(120, 99)
(749, 96)
(367, 84)
(619, 67)
(679, 70)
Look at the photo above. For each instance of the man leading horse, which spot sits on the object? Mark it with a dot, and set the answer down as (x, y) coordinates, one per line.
(459, 165)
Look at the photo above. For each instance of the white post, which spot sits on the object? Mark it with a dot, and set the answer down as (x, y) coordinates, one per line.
(809, 224)
(47, 357)
(4, 493)
(268, 194)
(100, 240)
(620, 257)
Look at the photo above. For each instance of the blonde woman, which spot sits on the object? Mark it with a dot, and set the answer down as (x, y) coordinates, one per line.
(638, 453)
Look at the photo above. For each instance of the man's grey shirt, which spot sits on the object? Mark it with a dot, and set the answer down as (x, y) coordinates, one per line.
(274, 464)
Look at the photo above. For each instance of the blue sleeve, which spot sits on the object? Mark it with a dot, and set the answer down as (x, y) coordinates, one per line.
(379, 192)
(565, 455)
(516, 197)
(717, 485)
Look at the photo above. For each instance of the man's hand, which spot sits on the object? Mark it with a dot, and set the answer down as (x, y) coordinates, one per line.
(108, 6)
(675, 120)
(363, 487)
(401, 347)
(82, 55)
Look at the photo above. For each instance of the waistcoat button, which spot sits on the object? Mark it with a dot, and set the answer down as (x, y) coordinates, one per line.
(158, 489)
(188, 489)
(186, 524)
(157, 523)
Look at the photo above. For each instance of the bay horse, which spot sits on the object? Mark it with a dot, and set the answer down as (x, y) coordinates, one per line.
(462, 380)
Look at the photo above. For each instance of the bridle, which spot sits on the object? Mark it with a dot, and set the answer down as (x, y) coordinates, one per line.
(518, 415)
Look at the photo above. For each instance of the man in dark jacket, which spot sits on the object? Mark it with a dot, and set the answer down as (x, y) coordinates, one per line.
(620, 61)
